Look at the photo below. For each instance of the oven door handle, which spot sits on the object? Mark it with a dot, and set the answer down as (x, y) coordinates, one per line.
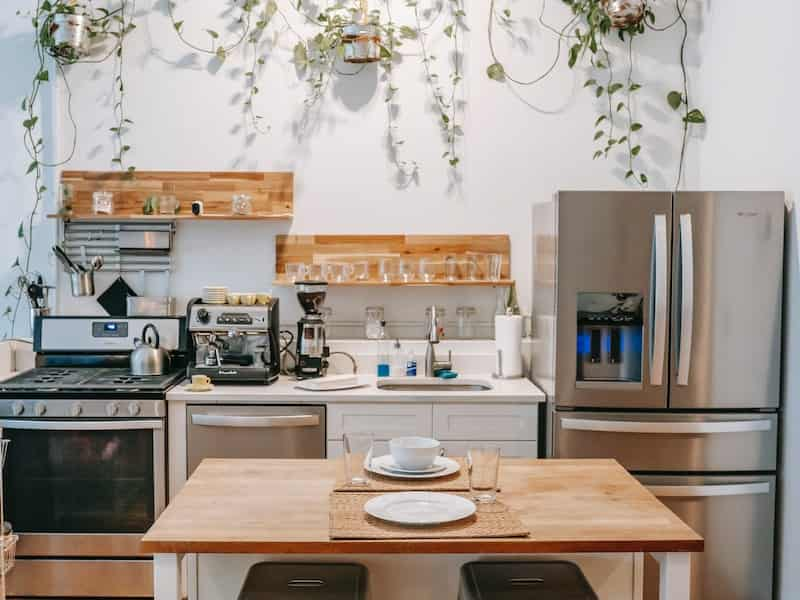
(258, 421)
(82, 425)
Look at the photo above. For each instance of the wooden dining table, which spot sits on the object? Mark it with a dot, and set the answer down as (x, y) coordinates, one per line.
(281, 507)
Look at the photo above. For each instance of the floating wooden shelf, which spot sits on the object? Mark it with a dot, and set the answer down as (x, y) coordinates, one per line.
(272, 194)
(321, 249)
(415, 283)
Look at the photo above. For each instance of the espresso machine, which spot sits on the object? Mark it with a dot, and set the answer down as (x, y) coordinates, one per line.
(312, 348)
(234, 344)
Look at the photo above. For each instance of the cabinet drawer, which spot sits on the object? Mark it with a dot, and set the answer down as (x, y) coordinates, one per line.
(485, 422)
(384, 420)
(507, 449)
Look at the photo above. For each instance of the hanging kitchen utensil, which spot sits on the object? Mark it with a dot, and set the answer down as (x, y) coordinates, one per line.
(115, 298)
(148, 357)
(65, 260)
(361, 41)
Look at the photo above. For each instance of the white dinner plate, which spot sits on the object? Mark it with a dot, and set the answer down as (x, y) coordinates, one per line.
(395, 468)
(419, 508)
(382, 465)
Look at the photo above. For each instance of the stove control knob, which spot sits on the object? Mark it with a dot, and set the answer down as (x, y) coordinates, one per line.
(134, 409)
(39, 409)
(112, 409)
(76, 409)
(17, 408)
(203, 316)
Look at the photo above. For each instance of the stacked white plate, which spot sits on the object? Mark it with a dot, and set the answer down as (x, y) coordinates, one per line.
(385, 465)
(215, 294)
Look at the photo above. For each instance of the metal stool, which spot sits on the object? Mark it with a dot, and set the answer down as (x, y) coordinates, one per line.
(304, 581)
(545, 580)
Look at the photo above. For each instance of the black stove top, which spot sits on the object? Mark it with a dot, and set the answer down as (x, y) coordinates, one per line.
(88, 380)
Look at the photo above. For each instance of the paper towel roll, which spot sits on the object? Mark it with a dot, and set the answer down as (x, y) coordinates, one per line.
(508, 345)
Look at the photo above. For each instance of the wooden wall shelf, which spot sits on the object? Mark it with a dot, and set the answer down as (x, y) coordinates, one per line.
(272, 194)
(321, 249)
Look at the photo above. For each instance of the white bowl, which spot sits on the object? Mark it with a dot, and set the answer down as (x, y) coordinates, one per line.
(414, 453)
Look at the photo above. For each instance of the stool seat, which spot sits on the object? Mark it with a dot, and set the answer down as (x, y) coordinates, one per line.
(524, 580)
(304, 581)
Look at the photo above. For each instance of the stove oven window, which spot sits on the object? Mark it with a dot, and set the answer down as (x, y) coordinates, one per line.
(79, 481)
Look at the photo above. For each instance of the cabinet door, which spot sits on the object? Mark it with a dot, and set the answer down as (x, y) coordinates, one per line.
(507, 449)
(386, 421)
(485, 421)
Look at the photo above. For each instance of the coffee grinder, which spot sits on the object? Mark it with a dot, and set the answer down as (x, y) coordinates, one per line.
(312, 349)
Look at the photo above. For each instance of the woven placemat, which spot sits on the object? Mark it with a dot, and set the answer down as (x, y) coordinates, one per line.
(348, 521)
(457, 482)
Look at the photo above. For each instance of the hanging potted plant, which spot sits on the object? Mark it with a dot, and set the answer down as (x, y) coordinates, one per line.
(66, 29)
(361, 39)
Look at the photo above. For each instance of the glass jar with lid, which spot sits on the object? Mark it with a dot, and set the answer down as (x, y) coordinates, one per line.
(373, 317)
(465, 318)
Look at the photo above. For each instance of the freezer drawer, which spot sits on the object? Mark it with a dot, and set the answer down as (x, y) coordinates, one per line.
(226, 431)
(670, 442)
(736, 516)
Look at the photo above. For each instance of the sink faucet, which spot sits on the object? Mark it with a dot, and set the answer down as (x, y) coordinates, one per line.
(431, 364)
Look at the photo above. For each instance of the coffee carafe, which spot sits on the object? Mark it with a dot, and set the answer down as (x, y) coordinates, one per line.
(312, 348)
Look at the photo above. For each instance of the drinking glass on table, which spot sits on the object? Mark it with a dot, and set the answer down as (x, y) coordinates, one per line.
(483, 463)
(357, 454)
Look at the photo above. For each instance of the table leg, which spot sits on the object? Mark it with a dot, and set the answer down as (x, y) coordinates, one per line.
(674, 575)
(167, 576)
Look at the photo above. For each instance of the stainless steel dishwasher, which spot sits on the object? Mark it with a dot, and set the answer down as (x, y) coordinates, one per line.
(254, 431)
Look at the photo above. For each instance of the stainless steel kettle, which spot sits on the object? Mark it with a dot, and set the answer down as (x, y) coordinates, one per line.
(148, 358)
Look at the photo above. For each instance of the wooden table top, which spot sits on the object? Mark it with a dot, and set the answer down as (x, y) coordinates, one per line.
(281, 507)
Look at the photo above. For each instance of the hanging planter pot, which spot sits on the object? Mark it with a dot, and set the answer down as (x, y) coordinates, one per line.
(70, 35)
(625, 13)
(361, 43)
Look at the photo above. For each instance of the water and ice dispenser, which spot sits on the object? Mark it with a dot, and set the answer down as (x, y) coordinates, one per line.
(609, 337)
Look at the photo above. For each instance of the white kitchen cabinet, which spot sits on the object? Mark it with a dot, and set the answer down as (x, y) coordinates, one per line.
(489, 422)
(528, 449)
(386, 421)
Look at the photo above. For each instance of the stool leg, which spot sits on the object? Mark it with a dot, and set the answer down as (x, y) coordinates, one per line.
(167, 576)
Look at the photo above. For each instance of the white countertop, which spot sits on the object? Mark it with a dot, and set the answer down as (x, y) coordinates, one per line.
(284, 391)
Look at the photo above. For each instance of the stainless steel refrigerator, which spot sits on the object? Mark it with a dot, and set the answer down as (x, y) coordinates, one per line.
(657, 326)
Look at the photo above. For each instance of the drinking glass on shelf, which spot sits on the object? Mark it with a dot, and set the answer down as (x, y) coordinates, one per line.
(357, 454)
(361, 270)
(405, 270)
(387, 269)
(331, 272)
(451, 268)
(241, 204)
(494, 266)
(294, 271)
(314, 272)
(103, 203)
(483, 463)
(469, 268)
(427, 269)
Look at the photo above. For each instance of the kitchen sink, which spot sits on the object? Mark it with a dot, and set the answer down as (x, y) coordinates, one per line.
(432, 384)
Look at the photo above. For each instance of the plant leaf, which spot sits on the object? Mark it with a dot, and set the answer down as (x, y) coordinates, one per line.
(496, 72)
(590, 82)
(599, 91)
(598, 134)
(600, 119)
(643, 177)
(635, 150)
(177, 25)
(675, 99)
(695, 116)
(300, 54)
(629, 174)
(636, 126)
(21, 231)
(32, 167)
(613, 88)
(214, 35)
(574, 51)
(597, 155)
(221, 54)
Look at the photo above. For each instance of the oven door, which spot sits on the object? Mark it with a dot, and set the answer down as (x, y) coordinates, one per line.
(81, 493)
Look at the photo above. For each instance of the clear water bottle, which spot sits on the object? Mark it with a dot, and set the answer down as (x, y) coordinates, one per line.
(383, 352)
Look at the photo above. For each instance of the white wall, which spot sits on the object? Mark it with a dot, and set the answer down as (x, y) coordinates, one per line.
(513, 153)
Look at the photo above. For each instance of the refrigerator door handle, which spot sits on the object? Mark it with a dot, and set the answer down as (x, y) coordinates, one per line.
(667, 427)
(707, 491)
(687, 299)
(658, 300)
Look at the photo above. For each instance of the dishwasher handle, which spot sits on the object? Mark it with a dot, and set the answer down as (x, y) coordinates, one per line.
(666, 427)
(709, 491)
(260, 422)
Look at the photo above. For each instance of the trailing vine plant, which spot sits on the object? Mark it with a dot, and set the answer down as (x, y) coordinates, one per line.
(319, 56)
(592, 23)
(50, 48)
